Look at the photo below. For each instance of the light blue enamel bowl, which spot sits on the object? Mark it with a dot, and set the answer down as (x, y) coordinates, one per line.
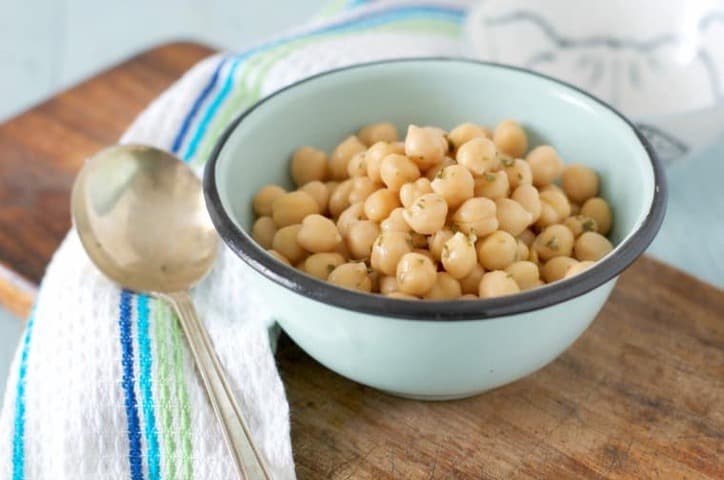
(424, 349)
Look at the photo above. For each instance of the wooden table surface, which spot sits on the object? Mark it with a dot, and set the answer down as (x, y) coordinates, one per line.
(639, 395)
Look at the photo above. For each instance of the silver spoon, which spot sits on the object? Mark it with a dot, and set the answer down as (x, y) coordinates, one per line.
(140, 215)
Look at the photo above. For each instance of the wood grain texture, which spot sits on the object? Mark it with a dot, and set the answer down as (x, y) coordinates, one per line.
(639, 395)
(16, 294)
(42, 149)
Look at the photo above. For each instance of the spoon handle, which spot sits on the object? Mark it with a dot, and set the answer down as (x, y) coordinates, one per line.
(249, 462)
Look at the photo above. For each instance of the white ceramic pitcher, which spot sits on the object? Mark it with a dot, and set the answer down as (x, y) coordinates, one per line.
(661, 62)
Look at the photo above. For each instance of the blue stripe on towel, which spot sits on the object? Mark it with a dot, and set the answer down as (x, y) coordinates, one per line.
(178, 141)
(213, 107)
(134, 432)
(19, 434)
(146, 385)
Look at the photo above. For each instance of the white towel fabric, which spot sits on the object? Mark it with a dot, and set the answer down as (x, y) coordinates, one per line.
(103, 386)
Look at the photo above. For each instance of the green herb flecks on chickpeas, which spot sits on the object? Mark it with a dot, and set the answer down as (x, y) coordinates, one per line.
(469, 213)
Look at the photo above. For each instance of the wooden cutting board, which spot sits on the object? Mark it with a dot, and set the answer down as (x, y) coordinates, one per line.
(639, 395)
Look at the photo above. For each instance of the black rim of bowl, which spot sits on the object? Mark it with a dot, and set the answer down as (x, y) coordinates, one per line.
(425, 310)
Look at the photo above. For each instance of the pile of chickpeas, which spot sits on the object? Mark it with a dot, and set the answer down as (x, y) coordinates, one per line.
(469, 213)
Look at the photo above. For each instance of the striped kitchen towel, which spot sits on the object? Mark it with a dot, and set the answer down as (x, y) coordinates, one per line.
(103, 386)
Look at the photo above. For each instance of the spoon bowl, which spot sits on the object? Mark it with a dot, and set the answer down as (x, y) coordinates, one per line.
(141, 217)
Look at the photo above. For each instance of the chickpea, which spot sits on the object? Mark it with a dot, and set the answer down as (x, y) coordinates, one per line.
(556, 199)
(362, 187)
(479, 156)
(528, 196)
(545, 164)
(579, 182)
(455, 184)
(285, 242)
(308, 164)
(357, 166)
(388, 284)
(497, 284)
(320, 265)
(318, 234)
(373, 159)
(436, 242)
(555, 268)
(459, 255)
(465, 132)
(401, 296)
(342, 155)
(548, 216)
(427, 214)
(518, 171)
(525, 274)
(510, 138)
(477, 216)
(361, 237)
(352, 276)
(592, 246)
(292, 207)
(492, 185)
(424, 146)
(279, 257)
(554, 241)
(497, 250)
(416, 274)
(339, 198)
(554, 208)
(395, 222)
(440, 133)
(446, 287)
(263, 231)
(522, 252)
(469, 283)
(354, 213)
(598, 209)
(527, 236)
(387, 251)
(410, 192)
(397, 170)
(433, 172)
(378, 132)
(577, 268)
(579, 224)
(380, 204)
(264, 197)
(512, 217)
(319, 192)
